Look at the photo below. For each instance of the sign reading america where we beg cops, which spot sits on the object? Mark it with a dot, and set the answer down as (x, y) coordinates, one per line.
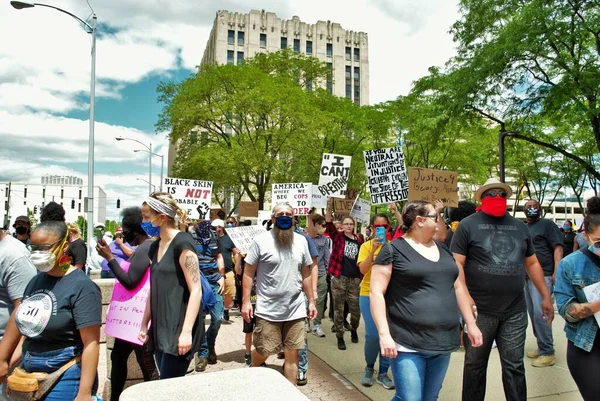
(334, 173)
(298, 195)
(193, 196)
(388, 180)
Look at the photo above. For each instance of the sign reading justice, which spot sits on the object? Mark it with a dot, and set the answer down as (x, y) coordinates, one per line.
(430, 185)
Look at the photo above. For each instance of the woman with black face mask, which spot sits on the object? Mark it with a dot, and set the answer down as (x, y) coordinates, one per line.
(134, 235)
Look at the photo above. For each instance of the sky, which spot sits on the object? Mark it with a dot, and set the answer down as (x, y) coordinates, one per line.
(45, 75)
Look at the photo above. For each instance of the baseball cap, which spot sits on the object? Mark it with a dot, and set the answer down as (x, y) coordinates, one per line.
(218, 223)
(108, 234)
(98, 224)
(22, 218)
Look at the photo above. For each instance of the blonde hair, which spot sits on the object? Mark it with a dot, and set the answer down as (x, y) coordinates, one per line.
(179, 215)
(73, 228)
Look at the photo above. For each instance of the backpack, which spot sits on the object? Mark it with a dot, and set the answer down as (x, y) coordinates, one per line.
(209, 300)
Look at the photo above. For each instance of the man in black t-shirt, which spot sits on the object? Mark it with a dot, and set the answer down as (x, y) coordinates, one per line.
(227, 248)
(494, 252)
(548, 243)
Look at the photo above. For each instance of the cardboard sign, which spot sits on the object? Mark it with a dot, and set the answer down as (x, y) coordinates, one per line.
(298, 195)
(248, 209)
(243, 237)
(334, 173)
(193, 196)
(388, 181)
(361, 211)
(214, 213)
(126, 309)
(430, 185)
(318, 201)
(342, 208)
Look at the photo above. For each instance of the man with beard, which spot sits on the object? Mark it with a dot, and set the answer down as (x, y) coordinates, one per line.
(281, 261)
(22, 228)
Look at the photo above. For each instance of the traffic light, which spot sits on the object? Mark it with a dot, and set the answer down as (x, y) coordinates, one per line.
(72, 203)
(118, 203)
(35, 210)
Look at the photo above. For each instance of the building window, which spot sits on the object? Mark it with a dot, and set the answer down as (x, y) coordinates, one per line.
(25, 193)
(309, 47)
(79, 208)
(309, 85)
(44, 193)
(329, 49)
(240, 58)
(348, 73)
(356, 75)
(296, 45)
(263, 40)
(348, 82)
(356, 54)
(231, 36)
(348, 53)
(330, 78)
(230, 56)
(241, 37)
(283, 42)
(357, 94)
(62, 193)
(80, 194)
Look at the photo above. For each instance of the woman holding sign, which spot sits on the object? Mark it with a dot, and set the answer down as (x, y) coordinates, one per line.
(577, 295)
(177, 328)
(139, 263)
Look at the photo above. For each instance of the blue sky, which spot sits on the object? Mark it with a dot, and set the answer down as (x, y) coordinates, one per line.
(45, 70)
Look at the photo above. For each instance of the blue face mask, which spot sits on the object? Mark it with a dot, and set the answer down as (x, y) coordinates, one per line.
(567, 227)
(150, 229)
(230, 225)
(283, 222)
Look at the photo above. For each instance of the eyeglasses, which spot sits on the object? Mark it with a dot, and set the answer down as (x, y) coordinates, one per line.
(41, 247)
(494, 192)
(432, 216)
(347, 224)
(288, 214)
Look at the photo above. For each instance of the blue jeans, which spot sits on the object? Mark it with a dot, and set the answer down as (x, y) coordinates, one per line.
(67, 387)
(170, 366)
(541, 330)
(419, 376)
(303, 353)
(372, 338)
(216, 317)
(107, 274)
(509, 333)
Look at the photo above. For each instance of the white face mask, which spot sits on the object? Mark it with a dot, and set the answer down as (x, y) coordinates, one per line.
(44, 261)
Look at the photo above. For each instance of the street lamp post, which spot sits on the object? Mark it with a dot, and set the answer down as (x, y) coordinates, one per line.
(149, 147)
(19, 5)
(162, 159)
(146, 181)
(501, 137)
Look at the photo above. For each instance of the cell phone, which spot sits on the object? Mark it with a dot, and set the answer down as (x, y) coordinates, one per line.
(99, 234)
(380, 234)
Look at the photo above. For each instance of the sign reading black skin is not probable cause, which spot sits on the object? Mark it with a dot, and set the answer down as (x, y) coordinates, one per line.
(386, 171)
(193, 196)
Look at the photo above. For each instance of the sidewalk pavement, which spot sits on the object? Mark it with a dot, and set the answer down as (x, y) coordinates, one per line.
(335, 375)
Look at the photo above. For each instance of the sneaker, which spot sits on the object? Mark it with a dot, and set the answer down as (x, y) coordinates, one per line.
(386, 382)
(543, 361)
(301, 380)
(353, 336)
(307, 326)
(341, 344)
(212, 356)
(248, 360)
(367, 379)
(318, 331)
(226, 315)
(533, 354)
(280, 355)
(200, 364)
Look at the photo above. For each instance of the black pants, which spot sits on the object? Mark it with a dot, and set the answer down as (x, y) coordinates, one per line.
(584, 367)
(119, 356)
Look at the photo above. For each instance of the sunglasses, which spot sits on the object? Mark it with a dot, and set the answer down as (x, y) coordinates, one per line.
(495, 192)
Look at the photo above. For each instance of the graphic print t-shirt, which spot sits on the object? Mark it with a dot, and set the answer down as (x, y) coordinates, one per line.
(495, 250)
(349, 266)
(54, 309)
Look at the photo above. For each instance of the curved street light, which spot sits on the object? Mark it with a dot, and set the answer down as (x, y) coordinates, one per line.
(91, 29)
(146, 181)
(162, 160)
(149, 147)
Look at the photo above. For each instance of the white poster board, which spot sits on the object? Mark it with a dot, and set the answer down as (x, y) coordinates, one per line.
(298, 195)
(243, 237)
(361, 211)
(333, 177)
(318, 201)
(592, 293)
(193, 196)
(386, 171)
(264, 215)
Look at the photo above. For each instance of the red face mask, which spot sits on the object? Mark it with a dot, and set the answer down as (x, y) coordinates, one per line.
(494, 206)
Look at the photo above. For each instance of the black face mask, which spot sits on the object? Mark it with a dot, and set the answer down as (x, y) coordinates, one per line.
(128, 236)
(21, 230)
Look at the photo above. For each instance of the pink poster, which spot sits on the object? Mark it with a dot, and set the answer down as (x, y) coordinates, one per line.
(126, 309)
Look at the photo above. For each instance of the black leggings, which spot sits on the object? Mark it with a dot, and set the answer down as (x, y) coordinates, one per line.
(118, 373)
(584, 367)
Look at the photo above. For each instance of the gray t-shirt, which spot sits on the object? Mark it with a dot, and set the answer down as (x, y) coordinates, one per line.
(279, 296)
(323, 247)
(16, 270)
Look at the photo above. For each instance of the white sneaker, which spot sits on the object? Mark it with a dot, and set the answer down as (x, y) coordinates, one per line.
(494, 345)
(307, 326)
(318, 331)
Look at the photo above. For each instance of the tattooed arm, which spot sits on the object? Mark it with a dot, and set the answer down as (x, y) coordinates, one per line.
(577, 311)
(188, 260)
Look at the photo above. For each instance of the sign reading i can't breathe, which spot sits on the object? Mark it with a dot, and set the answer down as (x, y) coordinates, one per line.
(388, 181)
(333, 179)
(193, 196)
(298, 195)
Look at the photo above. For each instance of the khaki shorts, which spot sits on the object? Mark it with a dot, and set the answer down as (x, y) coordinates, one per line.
(271, 337)
(229, 288)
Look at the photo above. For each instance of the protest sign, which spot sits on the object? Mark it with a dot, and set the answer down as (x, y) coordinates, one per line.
(243, 237)
(248, 209)
(333, 178)
(298, 195)
(126, 309)
(430, 185)
(342, 207)
(361, 211)
(264, 215)
(318, 201)
(193, 196)
(388, 181)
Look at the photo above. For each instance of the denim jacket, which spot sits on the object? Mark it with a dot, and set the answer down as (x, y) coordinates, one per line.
(575, 272)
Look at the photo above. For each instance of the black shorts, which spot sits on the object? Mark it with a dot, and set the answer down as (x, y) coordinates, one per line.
(249, 327)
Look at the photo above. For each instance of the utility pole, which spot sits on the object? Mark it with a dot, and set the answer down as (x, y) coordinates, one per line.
(7, 222)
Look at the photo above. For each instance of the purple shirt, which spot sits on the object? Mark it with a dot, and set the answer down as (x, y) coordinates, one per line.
(118, 254)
